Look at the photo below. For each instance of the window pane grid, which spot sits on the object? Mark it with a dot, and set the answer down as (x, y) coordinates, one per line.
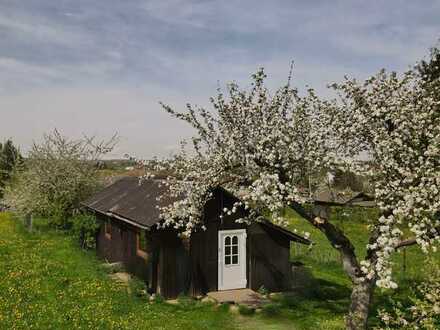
(231, 250)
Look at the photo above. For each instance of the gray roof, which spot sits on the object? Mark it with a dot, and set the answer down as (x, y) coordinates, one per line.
(137, 203)
(333, 197)
(132, 200)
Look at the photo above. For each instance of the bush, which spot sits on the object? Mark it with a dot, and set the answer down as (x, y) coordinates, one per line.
(246, 310)
(263, 291)
(138, 288)
(272, 309)
(84, 228)
(290, 301)
(223, 307)
(157, 298)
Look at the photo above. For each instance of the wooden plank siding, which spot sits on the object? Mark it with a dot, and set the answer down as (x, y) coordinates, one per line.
(172, 267)
(267, 252)
(166, 267)
(269, 260)
(121, 247)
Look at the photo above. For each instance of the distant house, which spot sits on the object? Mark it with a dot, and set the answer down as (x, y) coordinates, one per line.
(339, 198)
(227, 255)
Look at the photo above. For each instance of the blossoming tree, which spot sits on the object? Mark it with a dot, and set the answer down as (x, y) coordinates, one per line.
(265, 148)
(395, 120)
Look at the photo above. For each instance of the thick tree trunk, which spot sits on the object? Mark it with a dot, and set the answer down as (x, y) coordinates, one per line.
(361, 296)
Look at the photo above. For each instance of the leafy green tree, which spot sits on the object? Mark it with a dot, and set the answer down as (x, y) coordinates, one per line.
(84, 228)
(9, 157)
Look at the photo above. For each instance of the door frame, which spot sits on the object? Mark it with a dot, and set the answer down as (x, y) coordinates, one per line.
(242, 257)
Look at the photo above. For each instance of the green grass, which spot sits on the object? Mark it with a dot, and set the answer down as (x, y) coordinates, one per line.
(329, 299)
(47, 282)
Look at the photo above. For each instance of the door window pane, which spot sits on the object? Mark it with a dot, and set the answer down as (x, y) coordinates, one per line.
(231, 250)
(227, 260)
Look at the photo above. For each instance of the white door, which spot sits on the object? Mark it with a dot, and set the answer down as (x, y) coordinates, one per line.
(231, 259)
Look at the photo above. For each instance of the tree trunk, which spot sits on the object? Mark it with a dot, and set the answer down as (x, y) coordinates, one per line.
(362, 292)
(361, 297)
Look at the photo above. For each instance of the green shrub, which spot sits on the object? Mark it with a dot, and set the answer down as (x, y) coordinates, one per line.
(84, 228)
(158, 299)
(289, 301)
(223, 307)
(138, 288)
(271, 309)
(263, 291)
(246, 310)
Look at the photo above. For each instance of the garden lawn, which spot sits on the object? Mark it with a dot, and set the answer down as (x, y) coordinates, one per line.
(46, 282)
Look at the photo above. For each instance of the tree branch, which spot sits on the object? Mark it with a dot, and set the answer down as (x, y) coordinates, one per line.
(336, 238)
(413, 240)
(406, 242)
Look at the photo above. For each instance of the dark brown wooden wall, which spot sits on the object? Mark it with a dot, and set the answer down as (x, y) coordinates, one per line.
(171, 269)
(267, 251)
(166, 268)
(269, 259)
(122, 248)
(204, 244)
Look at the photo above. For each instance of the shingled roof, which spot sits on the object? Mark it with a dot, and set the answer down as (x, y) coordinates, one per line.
(130, 200)
(137, 203)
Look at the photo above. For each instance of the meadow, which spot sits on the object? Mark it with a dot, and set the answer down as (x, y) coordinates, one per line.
(47, 282)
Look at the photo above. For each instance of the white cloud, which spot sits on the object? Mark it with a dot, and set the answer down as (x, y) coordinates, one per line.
(81, 67)
(35, 28)
(19, 75)
(143, 126)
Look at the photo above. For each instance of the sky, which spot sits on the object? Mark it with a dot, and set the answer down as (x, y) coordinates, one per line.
(101, 67)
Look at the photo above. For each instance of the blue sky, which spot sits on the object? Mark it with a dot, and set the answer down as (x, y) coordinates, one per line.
(99, 67)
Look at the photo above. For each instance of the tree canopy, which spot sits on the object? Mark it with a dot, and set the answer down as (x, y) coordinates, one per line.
(269, 148)
(9, 157)
(59, 174)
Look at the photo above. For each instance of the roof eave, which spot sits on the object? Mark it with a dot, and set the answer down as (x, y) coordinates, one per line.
(293, 237)
(117, 216)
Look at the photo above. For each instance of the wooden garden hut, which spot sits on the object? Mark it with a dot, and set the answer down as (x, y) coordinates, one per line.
(227, 255)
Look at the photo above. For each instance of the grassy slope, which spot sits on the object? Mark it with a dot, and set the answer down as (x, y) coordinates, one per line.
(47, 282)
